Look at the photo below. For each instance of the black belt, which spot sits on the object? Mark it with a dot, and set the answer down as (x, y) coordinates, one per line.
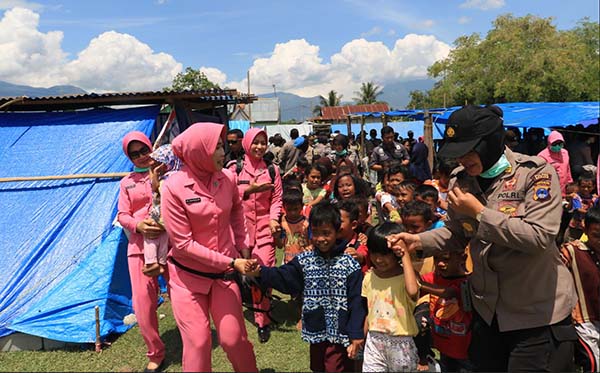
(226, 276)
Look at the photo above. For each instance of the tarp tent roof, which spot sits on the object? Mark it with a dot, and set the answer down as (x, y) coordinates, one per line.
(60, 255)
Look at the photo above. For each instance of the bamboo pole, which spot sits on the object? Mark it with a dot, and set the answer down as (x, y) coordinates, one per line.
(98, 344)
(114, 175)
(428, 137)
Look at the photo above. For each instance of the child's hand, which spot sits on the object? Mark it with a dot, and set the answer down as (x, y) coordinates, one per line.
(355, 346)
(362, 238)
(354, 254)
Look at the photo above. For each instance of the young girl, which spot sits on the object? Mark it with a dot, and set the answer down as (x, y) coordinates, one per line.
(348, 185)
(391, 291)
(155, 249)
(312, 189)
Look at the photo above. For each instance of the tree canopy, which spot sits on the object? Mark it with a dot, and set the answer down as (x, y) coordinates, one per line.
(368, 93)
(191, 79)
(521, 59)
(333, 99)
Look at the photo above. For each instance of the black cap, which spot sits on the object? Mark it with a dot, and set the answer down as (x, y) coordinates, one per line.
(466, 127)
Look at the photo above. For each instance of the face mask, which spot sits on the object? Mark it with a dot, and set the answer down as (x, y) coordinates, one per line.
(140, 169)
(556, 148)
(342, 153)
(497, 168)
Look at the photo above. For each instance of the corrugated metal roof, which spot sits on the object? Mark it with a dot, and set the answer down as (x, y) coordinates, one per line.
(342, 112)
(79, 101)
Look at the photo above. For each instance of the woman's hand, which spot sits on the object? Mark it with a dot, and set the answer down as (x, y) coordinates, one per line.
(402, 242)
(245, 265)
(258, 188)
(464, 203)
(149, 228)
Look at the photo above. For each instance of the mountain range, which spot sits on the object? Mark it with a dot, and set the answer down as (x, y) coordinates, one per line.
(15, 90)
(297, 108)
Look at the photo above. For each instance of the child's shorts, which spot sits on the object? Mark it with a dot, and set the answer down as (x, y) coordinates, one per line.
(388, 353)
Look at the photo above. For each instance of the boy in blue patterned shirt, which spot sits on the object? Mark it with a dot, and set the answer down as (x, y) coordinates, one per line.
(330, 282)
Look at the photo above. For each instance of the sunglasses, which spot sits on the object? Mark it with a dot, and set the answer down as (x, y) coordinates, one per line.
(232, 142)
(138, 153)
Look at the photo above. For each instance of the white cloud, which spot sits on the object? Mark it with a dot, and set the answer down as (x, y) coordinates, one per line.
(119, 62)
(296, 67)
(9, 4)
(483, 4)
(215, 75)
(374, 31)
(111, 62)
(464, 20)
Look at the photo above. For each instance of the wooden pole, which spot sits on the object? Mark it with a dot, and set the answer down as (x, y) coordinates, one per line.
(384, 120)
(349, 125)
(98, 342)
(428, 134)
(114, 175)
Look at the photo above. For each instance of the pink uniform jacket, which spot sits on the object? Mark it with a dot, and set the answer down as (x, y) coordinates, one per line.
(200, 207)
(259, 208)
(135, 198)
(560, 160)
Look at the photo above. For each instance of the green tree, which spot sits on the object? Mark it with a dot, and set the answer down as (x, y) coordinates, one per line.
(418, 100)
(333, 99)
(368, 93)
(521, 59)
(191, 79)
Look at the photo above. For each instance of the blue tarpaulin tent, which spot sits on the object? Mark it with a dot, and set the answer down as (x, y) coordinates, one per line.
(61, 255)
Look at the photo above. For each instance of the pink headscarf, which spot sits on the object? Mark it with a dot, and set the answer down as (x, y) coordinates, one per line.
(135, 136)
(247, 142)
(196, 145)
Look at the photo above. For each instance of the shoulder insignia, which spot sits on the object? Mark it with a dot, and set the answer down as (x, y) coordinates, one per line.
(541, 192)
(450, 132)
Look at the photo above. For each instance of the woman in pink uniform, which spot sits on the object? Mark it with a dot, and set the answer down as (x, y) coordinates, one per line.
(260, 189)
(204, 218)
(135, 198)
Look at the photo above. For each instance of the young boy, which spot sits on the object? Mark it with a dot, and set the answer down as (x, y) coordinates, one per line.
(388, 197)
(349, 213)
(587, 199)
(330, 282)
(450, 313)
(390, 290)
(582, 260)
(429, 194)
(442, 180)
(293, 237)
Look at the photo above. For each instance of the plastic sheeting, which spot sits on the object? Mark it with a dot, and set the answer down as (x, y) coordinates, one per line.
(401, 127)
(60, 255)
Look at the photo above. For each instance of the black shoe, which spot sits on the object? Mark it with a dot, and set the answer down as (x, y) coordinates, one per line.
(159, 368)
(264, 334)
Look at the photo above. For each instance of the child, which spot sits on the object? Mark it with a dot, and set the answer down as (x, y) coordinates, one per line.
(155, 250)
(582, 260)
(348, 185)
(388, 198)
(313, 188)
(450, 313)
(390, 290)
(442, 180)
(406, 190)
(354, 248)
(330, 283)
(588, 198)
(429, 195)
(293, 236)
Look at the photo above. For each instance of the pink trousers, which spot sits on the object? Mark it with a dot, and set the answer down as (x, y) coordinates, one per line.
(265, 255)
(145, 302)
(193, 310)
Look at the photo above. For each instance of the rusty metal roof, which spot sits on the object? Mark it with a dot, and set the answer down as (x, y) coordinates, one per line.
(88, 100)
(330, 113)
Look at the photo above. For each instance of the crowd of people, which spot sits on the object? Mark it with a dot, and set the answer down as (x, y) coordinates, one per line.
(491, 258)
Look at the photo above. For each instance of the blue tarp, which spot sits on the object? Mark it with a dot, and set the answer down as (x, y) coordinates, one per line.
(61, 255)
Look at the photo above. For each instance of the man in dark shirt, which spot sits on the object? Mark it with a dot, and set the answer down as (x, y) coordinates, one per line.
(388, 154)
(234, 143)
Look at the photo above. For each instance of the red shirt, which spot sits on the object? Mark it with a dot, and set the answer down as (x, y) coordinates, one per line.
(451, 329)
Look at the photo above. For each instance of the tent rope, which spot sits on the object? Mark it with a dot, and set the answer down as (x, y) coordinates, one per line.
(113, 175)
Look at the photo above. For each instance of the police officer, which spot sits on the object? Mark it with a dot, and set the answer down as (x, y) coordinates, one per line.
(388, 154)
(506, 206)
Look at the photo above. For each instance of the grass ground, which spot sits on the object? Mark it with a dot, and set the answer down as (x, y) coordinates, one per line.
(285, 351)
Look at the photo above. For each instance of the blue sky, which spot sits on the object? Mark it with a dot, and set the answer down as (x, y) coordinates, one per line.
(305, 47)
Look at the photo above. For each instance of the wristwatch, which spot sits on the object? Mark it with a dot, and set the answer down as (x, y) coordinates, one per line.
(478, 216)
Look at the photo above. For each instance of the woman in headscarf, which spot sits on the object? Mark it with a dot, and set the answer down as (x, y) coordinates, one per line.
(135, 199)
(260, 189)
(204, 217)
(556, 155)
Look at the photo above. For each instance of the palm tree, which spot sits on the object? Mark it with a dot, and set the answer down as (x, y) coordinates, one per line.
(368, 93)
(333, 99)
